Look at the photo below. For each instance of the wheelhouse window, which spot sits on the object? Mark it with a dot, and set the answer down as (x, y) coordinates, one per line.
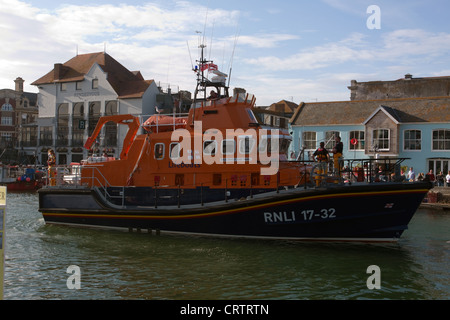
(381, 140)
(270, 144)
(228, 147)
(359, 137)
(174, 151)
(309, 140)
(246, 144)
(284, 145)
(264, 144)
(159, 151)
(412, 140)
(209, 147)
(251, 115)
(441, 140)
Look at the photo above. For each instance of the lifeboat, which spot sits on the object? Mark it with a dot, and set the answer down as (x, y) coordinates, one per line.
(218, 171)
(163, 123)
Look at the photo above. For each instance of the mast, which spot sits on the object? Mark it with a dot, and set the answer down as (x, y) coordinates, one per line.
(203, 83)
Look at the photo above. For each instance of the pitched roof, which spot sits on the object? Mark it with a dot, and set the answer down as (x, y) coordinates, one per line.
(435, 109)
(126, 83)
(283, 107)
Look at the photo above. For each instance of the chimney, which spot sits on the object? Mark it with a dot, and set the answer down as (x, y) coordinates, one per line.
(58, 71)
(353, 89)
(238, 91)
(19, 84)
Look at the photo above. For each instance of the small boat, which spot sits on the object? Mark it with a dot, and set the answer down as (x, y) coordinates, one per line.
(23, 179)
(217, 171)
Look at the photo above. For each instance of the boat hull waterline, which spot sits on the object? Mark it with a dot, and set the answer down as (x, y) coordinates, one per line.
(370, 212)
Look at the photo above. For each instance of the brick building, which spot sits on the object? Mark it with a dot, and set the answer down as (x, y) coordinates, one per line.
(18, 125)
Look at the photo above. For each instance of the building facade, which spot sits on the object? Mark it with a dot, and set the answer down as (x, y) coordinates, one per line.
(407, 87)
(277, 114)
(416, 127)
(18, 125)
(74, 95)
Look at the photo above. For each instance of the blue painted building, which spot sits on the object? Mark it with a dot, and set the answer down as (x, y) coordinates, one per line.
(416, 128)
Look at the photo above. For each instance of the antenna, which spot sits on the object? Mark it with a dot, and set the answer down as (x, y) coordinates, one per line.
(210, 46)
(199, 38)
(232, 57)
(168, 69)
(204, 27)
(190, 56)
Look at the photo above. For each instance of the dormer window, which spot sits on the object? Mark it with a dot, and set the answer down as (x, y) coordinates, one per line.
(95, 84)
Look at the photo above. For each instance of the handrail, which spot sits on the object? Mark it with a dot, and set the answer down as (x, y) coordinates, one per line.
(357, 170)
(144, 118)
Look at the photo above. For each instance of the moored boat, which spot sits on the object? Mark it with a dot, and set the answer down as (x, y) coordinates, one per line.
(217, 171)
(22, 179)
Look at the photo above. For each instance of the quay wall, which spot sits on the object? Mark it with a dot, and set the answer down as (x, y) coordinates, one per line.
(438, 198)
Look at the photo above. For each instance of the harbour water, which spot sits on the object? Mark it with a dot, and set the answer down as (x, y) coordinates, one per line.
(121, 265)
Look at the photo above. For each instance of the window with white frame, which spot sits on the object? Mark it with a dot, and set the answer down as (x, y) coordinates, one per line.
(412, 140)
(330, 139)
(357, 140)
(441, 140)
(7, 121)
(309, 140)
(380, 140)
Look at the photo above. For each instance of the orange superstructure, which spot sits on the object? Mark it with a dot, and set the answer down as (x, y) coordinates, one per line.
(228, 148)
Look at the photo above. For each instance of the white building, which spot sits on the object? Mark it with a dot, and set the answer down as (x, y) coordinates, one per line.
(74, 95)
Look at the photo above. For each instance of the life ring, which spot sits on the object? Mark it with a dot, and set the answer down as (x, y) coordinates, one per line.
(354, 141)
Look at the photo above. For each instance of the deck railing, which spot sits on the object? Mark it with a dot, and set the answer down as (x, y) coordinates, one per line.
(158, 125)
(351, 171)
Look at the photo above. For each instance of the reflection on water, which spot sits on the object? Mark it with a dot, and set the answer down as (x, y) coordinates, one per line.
(119, 265)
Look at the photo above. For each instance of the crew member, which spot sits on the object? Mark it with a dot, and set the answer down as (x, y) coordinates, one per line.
(337, 155)
(213, 95)
(51, 162)
(322, 157)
